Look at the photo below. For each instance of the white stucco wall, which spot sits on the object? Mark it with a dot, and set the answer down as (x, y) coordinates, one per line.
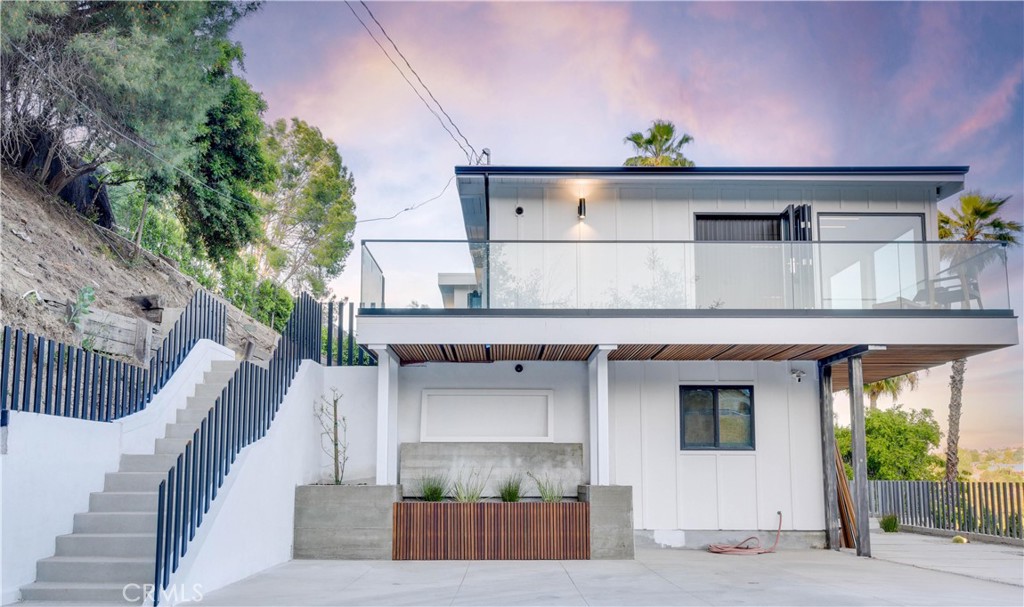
(51, 464)
(250, 525)
(358, 389)
(674, 489)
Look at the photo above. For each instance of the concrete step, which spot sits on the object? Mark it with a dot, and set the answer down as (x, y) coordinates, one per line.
(181, 430)
(218, 378)
(115, 522)
(80, 593)
(94, 569)
(224, 366)
(147, 463)
(209, 391)
(193, 415)
(171, 446)
(133, 481)
(123, 501)
(142, 545)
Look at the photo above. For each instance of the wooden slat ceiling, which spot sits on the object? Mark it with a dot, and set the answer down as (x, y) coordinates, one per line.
(895, 360)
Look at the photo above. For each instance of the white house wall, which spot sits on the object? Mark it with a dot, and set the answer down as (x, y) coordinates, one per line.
(706, 490)
(642, 212)
(566, 380)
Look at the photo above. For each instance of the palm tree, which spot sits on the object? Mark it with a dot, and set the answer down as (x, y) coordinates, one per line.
(975, 218)
(660, 147)
(892, 386)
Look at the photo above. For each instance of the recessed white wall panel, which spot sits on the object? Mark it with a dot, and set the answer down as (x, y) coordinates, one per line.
(487, 415)
(808, 504)
(774, 442)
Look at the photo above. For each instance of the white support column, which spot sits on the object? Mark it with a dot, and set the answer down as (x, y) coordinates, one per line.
(387, 415)
(600, 445)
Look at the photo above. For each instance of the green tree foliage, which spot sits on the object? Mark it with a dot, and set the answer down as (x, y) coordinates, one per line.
(229, 159)
(262, 299)
(99, 80)
(308, 212)
(893, 387)
(659, 147)
(898, 444)
(975, 217)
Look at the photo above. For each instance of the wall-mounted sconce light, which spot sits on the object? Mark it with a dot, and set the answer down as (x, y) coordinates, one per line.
(797, 374)
(581, 210)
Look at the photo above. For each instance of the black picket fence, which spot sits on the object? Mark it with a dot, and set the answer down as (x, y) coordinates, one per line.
(40, 375)
(969, 507)
(340, 345)
(241, 415)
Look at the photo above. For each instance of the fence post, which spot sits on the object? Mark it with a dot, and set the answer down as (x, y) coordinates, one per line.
(351, 329)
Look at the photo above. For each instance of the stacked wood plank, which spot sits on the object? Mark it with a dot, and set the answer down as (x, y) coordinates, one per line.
(847, 516)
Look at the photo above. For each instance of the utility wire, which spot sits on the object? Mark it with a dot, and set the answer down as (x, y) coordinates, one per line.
(71, 95)
(412, 207)
(469, 157)
(476, 156)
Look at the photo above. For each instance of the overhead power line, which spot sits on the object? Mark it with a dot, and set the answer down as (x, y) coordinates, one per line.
(412, 207)
(471, 157)
(476, 156)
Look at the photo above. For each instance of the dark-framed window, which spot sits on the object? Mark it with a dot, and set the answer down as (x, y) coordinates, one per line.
(716, 417)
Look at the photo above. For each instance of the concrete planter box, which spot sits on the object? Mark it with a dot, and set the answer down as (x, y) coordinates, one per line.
(344, 521)
(491, 531)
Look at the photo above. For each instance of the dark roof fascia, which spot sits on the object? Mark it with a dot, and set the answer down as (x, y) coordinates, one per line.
(709, 171)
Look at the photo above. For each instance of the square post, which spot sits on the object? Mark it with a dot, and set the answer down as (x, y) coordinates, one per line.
(600, 444)
(860, 458)
(828, 457)
(387, 416)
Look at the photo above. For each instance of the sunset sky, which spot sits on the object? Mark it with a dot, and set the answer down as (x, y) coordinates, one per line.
(755, 84)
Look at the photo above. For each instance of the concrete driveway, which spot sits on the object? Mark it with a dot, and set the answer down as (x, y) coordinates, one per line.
(656, 577)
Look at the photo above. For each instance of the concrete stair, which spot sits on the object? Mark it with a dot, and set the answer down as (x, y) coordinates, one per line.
(114, 543)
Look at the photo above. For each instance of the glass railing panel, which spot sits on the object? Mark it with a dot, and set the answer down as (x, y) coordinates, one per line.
(516, 275)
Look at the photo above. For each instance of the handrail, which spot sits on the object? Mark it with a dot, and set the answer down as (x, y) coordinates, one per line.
(992, 243)
(241, 415)
(40, 375)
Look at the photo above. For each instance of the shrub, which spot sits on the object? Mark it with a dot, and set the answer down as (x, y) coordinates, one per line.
(511, 488)
(890, 523)
(550, 490)
(470, 488)
(435, 487)
(959, 539)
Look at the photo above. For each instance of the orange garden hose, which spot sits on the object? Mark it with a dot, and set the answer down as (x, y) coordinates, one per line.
(744, 548)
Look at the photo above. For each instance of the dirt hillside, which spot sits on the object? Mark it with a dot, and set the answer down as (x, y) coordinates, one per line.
(48, 251)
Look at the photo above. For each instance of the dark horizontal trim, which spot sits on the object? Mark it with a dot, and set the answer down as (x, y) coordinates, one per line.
(662, 313)
(829, 243)
(623, 170)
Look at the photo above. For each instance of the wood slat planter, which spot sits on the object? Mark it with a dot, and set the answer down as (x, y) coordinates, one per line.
(491, 531)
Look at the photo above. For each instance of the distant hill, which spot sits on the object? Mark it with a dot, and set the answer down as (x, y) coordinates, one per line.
(1004, 464)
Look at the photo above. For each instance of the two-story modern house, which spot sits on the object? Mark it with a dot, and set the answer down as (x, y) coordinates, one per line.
(687, 326)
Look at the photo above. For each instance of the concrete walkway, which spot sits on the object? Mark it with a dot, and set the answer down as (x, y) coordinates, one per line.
(656, 577)
(996, 562)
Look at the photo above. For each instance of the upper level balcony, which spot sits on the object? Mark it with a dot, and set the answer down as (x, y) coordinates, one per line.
(686, 277)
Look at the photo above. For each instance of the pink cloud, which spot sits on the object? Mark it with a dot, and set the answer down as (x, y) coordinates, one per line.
(993, 109)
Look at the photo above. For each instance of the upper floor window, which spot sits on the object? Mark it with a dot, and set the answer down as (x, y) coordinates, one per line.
(884, 227)
(716, 417)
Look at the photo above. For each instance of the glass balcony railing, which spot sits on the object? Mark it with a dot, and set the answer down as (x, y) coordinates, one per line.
(565, 275)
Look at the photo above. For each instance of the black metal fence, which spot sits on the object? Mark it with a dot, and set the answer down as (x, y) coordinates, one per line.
(969, 507)
(42, 376)
(340, 345)
(241, 415)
